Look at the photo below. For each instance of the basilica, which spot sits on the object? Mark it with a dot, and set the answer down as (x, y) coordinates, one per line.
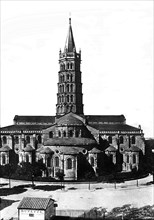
(71, 141)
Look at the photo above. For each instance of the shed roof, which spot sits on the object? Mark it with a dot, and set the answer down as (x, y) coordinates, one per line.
(34, 203)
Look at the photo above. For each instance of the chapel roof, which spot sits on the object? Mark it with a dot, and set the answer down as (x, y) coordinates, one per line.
(46, 150)
(111, 149)
(34, 203)
(94, 150)
(5, 148)
(28, 148)
(134, 149)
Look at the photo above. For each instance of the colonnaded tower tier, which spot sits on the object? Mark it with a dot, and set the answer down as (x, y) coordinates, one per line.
(69, 96)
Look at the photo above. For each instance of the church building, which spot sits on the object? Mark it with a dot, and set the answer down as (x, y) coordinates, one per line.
(70, 141)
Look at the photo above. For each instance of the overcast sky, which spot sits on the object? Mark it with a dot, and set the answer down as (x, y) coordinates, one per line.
(116, 42)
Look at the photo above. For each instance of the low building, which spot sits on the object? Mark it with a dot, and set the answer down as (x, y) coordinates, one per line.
(36, 208)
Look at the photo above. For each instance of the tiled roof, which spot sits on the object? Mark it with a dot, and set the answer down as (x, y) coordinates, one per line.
(111, 149)
(5, 148)
(70, 141)
(23, 128)
(105, 118)
(34, 203)
(115, 127)
(46, 150)
(95, 150)
(69, 119)
(34, 119)
(133, 148)
(28, 148)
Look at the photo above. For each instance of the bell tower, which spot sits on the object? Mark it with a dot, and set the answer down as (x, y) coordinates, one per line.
(69, 96)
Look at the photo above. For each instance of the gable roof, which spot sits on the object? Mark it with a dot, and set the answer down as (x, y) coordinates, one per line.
(34, 119)
(115, 127)
(105, 118)
(34, 203)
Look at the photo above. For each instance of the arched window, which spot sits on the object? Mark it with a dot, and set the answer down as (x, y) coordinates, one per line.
(67, 65)
(71, 87)
(110, 139)
(67, 98)
(71, 78)
(3, 159)
(69, 163)
(62, 88)
(59, 133)
(67, 87)
(56, 161)
(71, 133)
(71, 66)
(4, 140)
(134, 158)
(39, 139)
(64, 134)
(127, 158)
(68, 76)
(16, 140)
(27, 139)
(133, 139)
(121, 140)
(50, 134)
(62, 98)
(71, 98)
(92, 161)
(27, 158)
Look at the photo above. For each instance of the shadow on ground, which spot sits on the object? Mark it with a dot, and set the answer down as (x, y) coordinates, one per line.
(11, 191)
(48, 187)
(3, 184)
(5, 203)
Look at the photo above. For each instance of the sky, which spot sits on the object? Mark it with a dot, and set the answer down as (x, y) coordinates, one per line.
(116, 42)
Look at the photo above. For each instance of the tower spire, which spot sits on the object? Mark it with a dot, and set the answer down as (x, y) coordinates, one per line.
(69, 96)
(70, 44)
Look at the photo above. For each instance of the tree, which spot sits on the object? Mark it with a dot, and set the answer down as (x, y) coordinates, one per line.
(31, 170)
(8, 170)
(60, 175)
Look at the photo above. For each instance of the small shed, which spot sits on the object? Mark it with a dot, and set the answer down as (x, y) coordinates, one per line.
(32, 208)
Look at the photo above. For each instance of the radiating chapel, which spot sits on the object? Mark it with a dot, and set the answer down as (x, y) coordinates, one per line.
(70, 141)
